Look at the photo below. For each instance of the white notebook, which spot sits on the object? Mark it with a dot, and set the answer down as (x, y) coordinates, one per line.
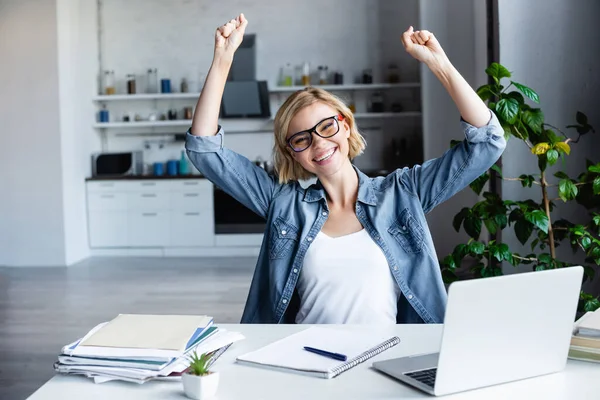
(288, 354)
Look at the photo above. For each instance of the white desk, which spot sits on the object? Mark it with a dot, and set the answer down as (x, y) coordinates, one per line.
(580, 380)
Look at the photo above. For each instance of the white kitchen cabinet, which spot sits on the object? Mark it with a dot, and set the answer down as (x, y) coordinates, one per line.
(150, 213)
(107, 228)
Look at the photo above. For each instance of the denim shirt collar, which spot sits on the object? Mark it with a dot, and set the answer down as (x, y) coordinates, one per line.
(366, 194)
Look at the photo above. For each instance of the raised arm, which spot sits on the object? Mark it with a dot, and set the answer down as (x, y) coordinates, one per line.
(438, 179)
(232, 172)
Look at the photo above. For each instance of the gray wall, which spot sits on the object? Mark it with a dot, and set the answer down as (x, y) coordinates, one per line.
(459, 26)
(553, 47)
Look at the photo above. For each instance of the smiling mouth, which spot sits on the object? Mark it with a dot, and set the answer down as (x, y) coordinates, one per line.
(326, 156)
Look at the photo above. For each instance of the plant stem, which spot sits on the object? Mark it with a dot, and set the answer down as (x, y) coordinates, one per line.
(552, 126)
(525, 258)
(547, 208)
(519, 179)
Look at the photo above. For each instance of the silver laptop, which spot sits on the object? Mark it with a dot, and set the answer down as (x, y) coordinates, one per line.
(497, 330)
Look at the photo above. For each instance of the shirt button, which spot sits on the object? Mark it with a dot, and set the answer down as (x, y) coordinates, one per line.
(284, 301)
(283, 232)
(295, 270)
(410, 296)
(403, 227)
(309, 239)
(324, 213)
(395, 268)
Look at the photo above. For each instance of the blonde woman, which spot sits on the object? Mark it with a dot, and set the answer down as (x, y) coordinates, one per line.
(348, 249)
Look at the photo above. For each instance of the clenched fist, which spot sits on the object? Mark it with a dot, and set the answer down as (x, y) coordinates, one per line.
(423, 46)
(229, 36)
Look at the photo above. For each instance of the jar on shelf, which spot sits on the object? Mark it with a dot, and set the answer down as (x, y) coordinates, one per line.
(287, 73)
(109, 82)
(130, 84)
(393, 73)
(367, 76)
(377, 102)
(323, 72)
(306, 74)
(184, 86)
(152, 80)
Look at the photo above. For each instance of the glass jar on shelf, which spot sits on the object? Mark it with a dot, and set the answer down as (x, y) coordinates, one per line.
(323, 72)
(109, 82)
(393, 73)
(287, 75)
(306, 74)
(152, 80)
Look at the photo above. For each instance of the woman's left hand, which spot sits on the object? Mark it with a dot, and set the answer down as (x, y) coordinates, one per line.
(423, 46)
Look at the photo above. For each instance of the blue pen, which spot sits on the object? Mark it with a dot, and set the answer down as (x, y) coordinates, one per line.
(335, 356)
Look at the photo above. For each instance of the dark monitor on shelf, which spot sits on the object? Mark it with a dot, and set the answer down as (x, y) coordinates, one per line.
(246, 99)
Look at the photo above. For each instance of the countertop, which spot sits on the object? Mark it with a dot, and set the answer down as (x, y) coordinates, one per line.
(141, 177)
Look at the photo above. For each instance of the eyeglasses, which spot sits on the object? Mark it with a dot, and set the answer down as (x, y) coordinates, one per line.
(326, 128)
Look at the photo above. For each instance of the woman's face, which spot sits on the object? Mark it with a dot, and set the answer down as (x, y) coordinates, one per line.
(324, 156)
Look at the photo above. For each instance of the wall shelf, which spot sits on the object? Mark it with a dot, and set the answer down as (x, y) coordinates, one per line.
(276, 89)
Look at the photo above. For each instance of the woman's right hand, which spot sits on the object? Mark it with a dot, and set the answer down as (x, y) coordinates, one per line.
(229, 36)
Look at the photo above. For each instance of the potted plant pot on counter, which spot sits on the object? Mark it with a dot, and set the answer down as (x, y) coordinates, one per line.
(199, 383)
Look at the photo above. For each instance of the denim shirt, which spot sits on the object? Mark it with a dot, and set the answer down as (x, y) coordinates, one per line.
(391, 209)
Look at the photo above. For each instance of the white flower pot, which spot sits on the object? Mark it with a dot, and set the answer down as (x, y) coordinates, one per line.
(200, 387)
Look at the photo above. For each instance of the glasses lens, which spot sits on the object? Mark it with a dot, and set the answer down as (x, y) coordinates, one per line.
(301, 141)
(328, 128)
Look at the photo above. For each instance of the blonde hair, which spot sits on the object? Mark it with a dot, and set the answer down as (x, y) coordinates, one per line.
(289, 169)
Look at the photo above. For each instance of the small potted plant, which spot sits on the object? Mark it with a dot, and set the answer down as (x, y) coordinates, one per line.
(198, 382)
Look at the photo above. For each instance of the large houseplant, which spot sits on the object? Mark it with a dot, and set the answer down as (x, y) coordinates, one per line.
(531, 220)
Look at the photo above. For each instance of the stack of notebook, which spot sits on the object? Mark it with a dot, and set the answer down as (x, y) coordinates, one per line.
(585, 342)
(139, 348)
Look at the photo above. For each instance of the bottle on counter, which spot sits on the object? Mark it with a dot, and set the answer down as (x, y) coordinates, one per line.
(103, 115)
(184, 167)
(306, 74)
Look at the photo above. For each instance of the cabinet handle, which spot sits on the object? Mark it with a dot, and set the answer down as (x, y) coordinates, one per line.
(148, 195)
(149, 214)
(190, 183)
(148, 183)
(107, 196)
(192, 213)
(191, 195)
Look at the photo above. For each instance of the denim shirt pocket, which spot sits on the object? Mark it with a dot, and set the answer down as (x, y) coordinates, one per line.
(283, 238)
(407, 231)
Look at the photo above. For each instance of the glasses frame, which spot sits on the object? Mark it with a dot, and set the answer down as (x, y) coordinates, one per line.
(338, 118)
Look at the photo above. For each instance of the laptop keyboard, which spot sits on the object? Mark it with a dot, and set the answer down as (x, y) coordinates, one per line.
(425, 376)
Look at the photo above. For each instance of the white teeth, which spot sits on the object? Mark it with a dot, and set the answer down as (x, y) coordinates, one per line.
(326, 156)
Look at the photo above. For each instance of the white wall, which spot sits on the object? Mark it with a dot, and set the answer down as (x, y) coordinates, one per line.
(558, 57)
(31, 202)
(459, 26)
(177, 38)
(78, 66)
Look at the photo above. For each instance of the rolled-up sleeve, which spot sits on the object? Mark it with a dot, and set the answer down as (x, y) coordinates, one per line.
(438, 179)
(235, 174)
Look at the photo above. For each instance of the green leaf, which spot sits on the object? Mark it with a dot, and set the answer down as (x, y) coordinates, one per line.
(561, 175)
(517, 96)
(473, 226)
(508, 110)
(596, 219)
(526, 180)
(591, 305)
(527, 91)
(458, 218)
(497, 71)
(597, 185)
(449, 262)
(552, 156)
(542, 162)
(586, 242)
(533, 119)
(534, 243)
(477, 247)
(563, 147)
(567, 190)
(478, 184)
(501, 221)
(538, 218)
(485, 92)
(523, 230)
(496, 168)
(491, 226)
(448, 276)
(594, 168)
(581, 118)
(545, 258)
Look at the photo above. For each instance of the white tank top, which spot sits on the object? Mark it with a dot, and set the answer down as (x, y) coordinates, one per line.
(346, 280)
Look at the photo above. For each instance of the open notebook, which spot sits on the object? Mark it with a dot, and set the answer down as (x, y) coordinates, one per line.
(289, 354)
